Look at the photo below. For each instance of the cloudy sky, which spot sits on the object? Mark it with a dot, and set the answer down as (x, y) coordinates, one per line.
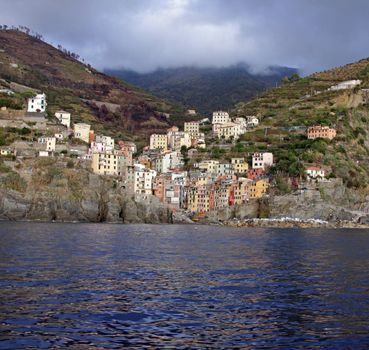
(146, 34)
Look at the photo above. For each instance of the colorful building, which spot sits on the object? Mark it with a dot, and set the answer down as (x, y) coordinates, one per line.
(324, 132)
(159, 141)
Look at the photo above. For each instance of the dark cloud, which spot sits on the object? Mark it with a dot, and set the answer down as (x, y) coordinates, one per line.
(146, 34)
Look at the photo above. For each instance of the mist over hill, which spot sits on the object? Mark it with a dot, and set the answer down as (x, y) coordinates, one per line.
(205, 89)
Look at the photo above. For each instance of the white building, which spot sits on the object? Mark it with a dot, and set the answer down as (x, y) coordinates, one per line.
(82, 132)
(348, 84)
(252, 121)
(262, 160)
(98, 147)
(6, 152)
(143, 179)
(37, 103)
(191, 111)
(178, 139)
(50, 144)
(168, 161)
(63, 117)
(7, 92)
(105, 140)
(43, 154)
(220, 117)
(242, 122)
(315, 173)
(59, 136)
(204, 121)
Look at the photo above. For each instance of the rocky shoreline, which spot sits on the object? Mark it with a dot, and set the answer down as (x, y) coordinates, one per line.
(234, 223)
(293, 223)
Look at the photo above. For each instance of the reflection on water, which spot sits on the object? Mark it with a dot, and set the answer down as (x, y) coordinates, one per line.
(112, 286)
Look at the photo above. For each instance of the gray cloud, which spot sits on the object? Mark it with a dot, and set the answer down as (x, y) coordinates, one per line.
(146, 34)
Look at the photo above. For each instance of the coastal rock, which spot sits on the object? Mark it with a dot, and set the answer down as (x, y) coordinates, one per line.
(364, 220)
(13, 206)
(103, 205)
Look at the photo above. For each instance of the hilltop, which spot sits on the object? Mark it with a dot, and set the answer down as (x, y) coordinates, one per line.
(206, 89)
(288, 110)
(110, 105)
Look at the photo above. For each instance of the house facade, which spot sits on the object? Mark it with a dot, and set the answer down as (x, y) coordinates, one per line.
(324, 132)
(37, 104)
(159, 141)
(315, 173)
(108, 163)
(63, 117)
(82, 132)
(240, 165)
(262, 160)
(192, 128)
(220, 117)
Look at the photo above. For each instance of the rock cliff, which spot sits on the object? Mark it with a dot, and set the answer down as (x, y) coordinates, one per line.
(47, 190)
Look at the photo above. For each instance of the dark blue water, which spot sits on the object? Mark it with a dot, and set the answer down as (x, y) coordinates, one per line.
(109, 286)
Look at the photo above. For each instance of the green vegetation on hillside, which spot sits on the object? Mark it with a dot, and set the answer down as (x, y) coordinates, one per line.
(288, 110)
(111, 106)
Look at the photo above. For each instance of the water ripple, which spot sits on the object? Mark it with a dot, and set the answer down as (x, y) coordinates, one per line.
(88, 286)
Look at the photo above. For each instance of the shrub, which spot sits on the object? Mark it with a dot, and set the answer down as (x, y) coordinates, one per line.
(282, 184)
(359, 131)
(3, 168)
(15, 182)
(24, 131)
(238, 148)
(5, 102)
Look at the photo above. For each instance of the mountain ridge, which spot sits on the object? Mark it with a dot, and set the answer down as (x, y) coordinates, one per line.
(205, 89)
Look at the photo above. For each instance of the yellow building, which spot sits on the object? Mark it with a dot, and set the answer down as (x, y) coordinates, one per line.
(229, 131)
(210, 166)
(258, 188)
(193, 128)
(241, 190)
(159, 141)
(108, 163)
(192, 199)
(240, 165)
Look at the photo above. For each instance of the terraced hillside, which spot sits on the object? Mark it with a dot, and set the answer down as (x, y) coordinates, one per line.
(110, 105)
(287, 111)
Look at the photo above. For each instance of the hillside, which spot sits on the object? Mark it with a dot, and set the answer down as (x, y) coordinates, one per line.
(110, 105)
(205, 89)
(288, 110)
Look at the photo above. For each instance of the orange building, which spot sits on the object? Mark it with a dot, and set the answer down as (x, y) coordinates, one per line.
(254, 174)
(324, 132)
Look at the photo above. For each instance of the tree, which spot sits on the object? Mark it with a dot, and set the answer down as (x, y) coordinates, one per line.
(184, 150)
(291, 79)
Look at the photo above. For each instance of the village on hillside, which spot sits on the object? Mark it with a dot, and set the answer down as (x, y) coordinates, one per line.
(167, 166)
